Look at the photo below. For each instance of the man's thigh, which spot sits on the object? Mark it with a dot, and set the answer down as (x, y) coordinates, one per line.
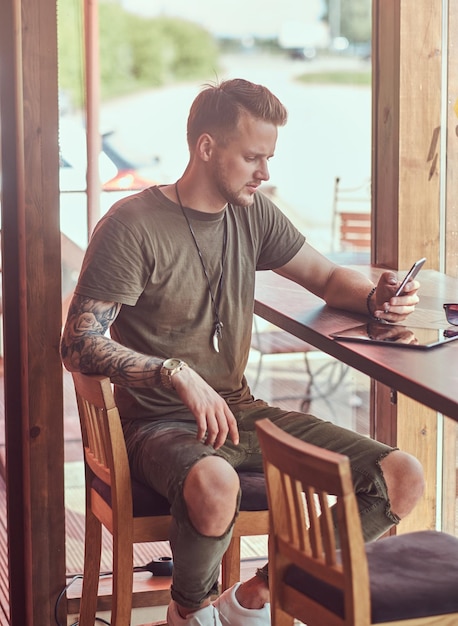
(162, 453)
(364, 453)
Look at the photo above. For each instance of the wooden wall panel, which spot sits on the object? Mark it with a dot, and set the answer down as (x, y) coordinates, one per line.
(417, 433)
(451, 218)
(32, 310)
(406, 131)
(419, 139)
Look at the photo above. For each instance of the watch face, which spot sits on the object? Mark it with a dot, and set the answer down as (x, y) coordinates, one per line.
(171, 364)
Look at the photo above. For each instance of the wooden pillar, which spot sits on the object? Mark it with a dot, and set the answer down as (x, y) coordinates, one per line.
(451, 247)
(406, 131)
(451, 175)
(32, 310)
(407, 82)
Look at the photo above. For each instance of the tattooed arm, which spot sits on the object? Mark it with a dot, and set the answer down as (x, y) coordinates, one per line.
(86, 348)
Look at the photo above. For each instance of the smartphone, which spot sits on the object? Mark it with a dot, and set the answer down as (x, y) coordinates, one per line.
(416, 267)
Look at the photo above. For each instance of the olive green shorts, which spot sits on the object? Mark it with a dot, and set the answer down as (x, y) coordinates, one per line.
(161, 454)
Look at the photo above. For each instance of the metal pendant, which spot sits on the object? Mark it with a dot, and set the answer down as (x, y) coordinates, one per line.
(217, 335)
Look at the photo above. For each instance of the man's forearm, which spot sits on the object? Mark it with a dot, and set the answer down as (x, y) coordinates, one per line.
(87, 348)
(96, 354)
(348, 289)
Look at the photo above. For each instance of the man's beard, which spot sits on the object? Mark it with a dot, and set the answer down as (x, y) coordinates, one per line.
(222, 182)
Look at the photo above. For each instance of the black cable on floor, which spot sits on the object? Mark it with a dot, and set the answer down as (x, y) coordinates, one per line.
(158, 567)
(61, 595)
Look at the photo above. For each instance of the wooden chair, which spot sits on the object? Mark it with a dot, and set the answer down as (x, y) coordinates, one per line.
(355, 231)
(319, 384)
(352, 226)
(408, 580)
(132, 512)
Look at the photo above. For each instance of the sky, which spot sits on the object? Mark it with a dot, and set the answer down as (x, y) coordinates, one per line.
(237, 17)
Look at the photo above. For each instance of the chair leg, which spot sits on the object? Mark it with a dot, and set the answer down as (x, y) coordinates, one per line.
(91, 574)
(230, 564)
(279, 617)
(123, 577)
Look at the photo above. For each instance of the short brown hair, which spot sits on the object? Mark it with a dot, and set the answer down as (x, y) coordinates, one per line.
(217, 109)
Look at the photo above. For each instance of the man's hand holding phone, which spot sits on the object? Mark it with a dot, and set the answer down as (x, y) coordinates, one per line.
(416, 267)
(392, 302)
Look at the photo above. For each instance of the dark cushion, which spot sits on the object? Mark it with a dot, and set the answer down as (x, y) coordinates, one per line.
(254, 495)
(147, 502)
(411, 575)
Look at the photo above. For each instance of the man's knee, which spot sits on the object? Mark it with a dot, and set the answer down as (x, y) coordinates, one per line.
(405, 481)
(210, 492)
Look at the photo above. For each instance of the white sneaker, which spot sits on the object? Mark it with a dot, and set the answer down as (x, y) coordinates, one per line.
(208, 616)
(232, 613)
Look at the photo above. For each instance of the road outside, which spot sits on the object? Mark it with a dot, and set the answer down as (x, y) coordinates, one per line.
(328, 132)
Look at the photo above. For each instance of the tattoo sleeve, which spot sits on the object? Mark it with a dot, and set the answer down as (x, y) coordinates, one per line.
(85, 347)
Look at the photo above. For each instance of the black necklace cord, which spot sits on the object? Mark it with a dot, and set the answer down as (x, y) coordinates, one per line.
(215, 299)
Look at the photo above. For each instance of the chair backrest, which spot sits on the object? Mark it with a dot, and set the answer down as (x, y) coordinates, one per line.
(355, 231)
(105, 453)
(351, 219)
(311, 502)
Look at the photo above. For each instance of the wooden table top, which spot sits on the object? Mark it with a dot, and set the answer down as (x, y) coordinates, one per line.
(428, 376)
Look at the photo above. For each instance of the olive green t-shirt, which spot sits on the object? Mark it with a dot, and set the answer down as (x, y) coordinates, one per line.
(143, 255)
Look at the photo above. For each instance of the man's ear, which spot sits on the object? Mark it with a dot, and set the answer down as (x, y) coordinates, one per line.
(205, 146)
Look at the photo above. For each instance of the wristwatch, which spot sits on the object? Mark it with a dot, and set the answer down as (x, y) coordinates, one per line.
(169, 368)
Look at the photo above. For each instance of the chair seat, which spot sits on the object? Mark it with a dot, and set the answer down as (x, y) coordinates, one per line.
(431, 588)
(149, 503)
(429, 558)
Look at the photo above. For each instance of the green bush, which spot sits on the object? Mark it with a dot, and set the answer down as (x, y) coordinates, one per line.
(193, 52)
(71, 50)
(135, 53)
(149, 50)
